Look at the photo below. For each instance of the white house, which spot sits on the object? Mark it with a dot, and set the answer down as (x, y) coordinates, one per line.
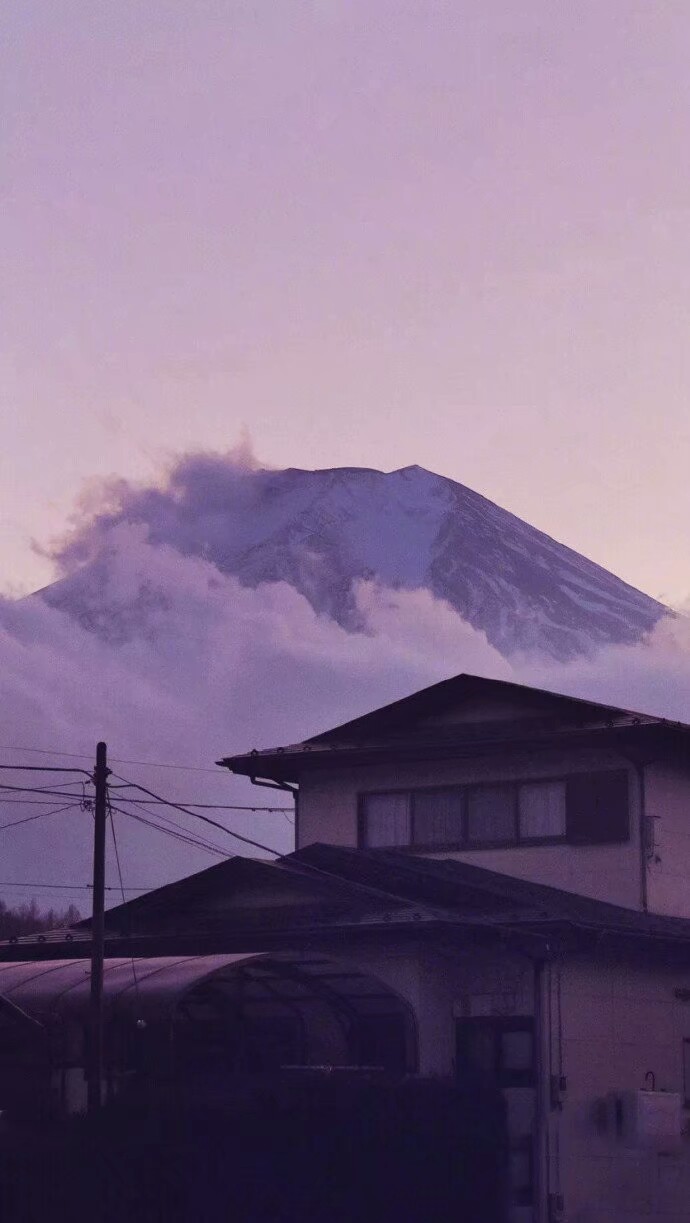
(588, 1032)
(487, 878)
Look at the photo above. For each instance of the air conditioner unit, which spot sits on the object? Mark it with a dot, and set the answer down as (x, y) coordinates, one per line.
(651, 1120)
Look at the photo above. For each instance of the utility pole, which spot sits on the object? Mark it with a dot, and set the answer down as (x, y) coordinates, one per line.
(95, 1060)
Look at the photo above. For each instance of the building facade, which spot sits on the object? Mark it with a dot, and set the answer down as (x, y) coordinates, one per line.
(593, 801)
(488, 887)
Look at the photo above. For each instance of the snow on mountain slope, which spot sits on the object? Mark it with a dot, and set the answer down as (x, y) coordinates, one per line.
(322, 531)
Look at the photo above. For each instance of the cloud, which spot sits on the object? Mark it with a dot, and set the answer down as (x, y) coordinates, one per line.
(201, 666)
(213, 667)
(652, 677)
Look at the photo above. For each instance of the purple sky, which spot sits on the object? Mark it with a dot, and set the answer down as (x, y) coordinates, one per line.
(451, 233)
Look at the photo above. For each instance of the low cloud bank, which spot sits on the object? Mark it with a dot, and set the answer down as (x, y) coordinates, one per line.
(214, 667)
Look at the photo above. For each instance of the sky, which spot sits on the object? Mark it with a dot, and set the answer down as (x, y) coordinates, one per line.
(445, 232)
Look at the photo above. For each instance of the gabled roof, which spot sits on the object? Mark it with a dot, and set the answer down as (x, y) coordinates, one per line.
(459, 689)
(416, 722)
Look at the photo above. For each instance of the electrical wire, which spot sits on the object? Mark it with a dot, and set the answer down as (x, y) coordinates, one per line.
(206, 819)
(74, 887)
(147, 802)
(177, 836)
(149, 764)
(36, 790)
(201, 840)
(40, 768)
(151, 802)
(41, 815)
(32, 802)
(124, 899)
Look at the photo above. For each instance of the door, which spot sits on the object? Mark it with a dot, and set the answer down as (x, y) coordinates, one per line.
(500, 1050)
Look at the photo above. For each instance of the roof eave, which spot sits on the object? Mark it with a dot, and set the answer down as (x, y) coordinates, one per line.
(288, 764)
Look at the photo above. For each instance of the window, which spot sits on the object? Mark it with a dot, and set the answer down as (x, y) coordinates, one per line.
(491, 814)
(516, 1052)
(437, 817)
(502, 1049)
(597, 808)
(387, 820)
(542, 809)
(583, 809)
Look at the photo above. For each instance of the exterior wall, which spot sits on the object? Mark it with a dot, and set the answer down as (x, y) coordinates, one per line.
(605, 1025)
(667, 811)
(328, 805)
(616, 1022)
(441, 987)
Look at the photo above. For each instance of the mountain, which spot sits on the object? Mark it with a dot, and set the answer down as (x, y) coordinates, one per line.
(321, 531)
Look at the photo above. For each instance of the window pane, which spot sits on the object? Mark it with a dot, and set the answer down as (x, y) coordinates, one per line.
(520, 1170)
(542, 809)
(516, 1050)
(477, 1046)
(598, 807)
(386, 819)
(437, 817)
(491, 814)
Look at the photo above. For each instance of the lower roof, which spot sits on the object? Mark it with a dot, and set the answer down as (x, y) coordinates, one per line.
(239, 906)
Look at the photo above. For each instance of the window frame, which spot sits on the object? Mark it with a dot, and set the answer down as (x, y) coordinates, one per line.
(464, 788)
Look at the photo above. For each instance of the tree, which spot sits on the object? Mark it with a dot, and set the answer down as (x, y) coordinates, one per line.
(29, 919)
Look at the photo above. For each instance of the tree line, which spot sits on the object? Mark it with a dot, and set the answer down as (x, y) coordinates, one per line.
(28, 918)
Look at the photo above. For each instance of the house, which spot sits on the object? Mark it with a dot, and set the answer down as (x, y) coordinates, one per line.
(578, 795)
(488, 880)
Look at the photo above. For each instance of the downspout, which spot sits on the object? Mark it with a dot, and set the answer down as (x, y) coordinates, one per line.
(638, 763)
(289, 789)
(542, 1045)
(644, 838)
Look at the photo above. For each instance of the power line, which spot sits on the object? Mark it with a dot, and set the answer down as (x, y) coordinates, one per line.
(41, 815)
(153, 764)
(197, 839)
(33, 802)
(42, 768)
(129, 785)
(135, 978)
(74, 887)
(36, 790)
(150, 802)
(177, 836)
(206, 819)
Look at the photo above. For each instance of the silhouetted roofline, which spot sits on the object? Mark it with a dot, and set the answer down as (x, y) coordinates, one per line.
(379, 732)
(445, 692)
(413, 894)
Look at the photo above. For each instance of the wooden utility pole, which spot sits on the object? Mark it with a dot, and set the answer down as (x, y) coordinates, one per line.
(95, 1060)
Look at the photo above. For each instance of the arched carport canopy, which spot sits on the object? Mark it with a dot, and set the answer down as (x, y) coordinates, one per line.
(51, 990)
(188, 992)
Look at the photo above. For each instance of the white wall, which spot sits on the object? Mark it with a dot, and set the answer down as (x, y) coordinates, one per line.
(442, 986)
(328, 813)
(618, 1022)
(607, 1024)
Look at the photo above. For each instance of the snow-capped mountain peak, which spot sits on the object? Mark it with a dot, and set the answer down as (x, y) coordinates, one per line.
(322, 531)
